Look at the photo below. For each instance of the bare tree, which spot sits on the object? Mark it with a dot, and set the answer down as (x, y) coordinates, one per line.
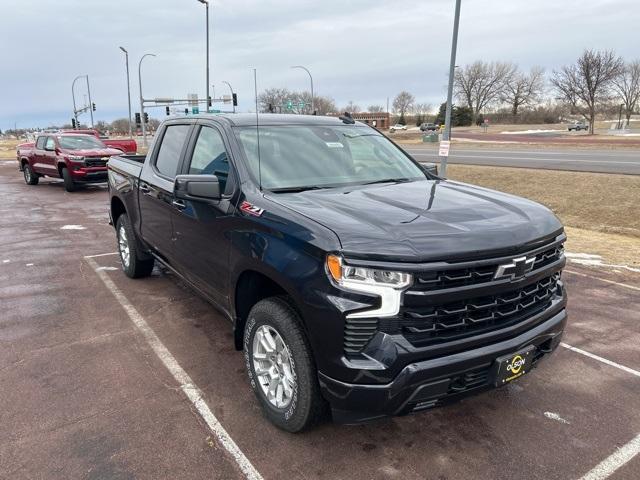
(283, 100)
(403, 103)
(627, 85)
(588, 83)
(523, 89)
(120, 126)
(375, 109)
(351, 107)
(482, 83)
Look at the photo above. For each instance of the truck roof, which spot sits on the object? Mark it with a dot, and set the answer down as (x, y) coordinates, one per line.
(249, 119)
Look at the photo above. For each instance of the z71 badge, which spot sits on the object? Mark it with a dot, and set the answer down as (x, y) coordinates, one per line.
(250, 209)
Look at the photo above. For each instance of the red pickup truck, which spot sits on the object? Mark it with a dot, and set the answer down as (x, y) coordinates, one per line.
(77, 159)
(126, 145)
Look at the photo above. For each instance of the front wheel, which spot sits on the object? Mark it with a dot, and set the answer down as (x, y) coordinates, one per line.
(30, 177)
(280, 366)
(69, 184)
(133, 264)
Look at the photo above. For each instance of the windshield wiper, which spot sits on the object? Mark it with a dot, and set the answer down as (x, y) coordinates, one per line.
(389, 180)
(302, 188)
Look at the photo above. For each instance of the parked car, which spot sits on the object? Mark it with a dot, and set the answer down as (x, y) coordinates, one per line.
(398, 126)
(577, 126)
(429, 127)
(353, 279)
(77, 159)
(125, 145)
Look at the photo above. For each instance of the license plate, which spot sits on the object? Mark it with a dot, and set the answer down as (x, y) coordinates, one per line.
(513, 366)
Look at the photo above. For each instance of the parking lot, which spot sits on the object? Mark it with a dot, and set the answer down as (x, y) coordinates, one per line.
(107, 377)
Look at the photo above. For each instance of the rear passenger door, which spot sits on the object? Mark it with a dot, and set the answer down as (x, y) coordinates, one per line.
(38, 155)
(200, 226)
(156, 188)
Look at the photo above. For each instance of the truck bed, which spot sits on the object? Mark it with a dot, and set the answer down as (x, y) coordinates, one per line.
(128, 165)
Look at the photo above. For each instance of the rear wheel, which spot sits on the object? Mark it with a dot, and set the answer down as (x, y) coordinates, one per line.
(133, 264)
(30, 177)
(69, 184)
(280, 366)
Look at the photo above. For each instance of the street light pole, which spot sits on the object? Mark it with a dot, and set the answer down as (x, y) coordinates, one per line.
(126, 54)
(452, 67)
(73, 96)
(144, 130)
(313, 108)
(206, 4)
(231, 88)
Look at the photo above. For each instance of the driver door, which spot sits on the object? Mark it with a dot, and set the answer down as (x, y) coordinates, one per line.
(200, 242)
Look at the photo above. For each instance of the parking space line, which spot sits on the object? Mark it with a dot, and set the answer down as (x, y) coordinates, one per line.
(601, 359)
(101, 255)
(190, 389)
(625, 285)
(614, 461)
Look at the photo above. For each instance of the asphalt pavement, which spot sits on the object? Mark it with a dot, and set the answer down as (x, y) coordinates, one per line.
(107, 377)
(622, 161)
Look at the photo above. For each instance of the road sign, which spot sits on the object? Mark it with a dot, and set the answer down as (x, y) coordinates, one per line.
(195, 110)
(290, 105)
(301, 105)
(444, 148)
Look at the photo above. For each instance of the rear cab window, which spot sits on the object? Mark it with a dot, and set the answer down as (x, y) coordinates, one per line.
(170, 151)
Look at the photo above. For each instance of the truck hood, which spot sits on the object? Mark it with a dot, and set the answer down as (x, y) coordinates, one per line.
(93, 152)
(424, 220)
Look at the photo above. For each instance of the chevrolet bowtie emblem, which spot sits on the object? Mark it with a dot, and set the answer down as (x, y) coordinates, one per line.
(517, 268)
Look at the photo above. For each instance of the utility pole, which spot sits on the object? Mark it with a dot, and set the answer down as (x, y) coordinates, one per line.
(206, 4)
(144, 130)
(126, 54)
(452, 67)
(90, 103)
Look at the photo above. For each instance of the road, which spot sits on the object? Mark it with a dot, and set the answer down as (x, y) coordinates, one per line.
(107, 377)
(602, 161)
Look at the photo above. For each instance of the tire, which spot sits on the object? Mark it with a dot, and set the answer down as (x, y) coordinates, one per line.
(133, 265)
(30, 178)
(69, 184)
(291, 361)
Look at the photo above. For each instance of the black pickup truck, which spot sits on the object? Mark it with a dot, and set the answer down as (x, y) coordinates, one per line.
(356, 281)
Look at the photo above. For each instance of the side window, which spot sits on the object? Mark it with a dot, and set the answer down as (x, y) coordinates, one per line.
(171, 148)
(210, 157)
(40, 143)
(50, 144)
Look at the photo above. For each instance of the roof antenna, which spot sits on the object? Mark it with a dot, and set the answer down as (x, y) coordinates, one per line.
(255, 87)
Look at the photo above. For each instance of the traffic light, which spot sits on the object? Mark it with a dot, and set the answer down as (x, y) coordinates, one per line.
(138, 121)
(146, 117)
(235, 99)
(93, 106)
(270, 108)
(186, 111)
(209, 101)
(167, 110)
(73, 123)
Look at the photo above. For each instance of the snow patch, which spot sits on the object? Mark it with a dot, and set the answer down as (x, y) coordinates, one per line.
(592, 260)
(556, 417)
(29, 265)
(6, 261)
(525, 132)
(73, 227)
(106, 268)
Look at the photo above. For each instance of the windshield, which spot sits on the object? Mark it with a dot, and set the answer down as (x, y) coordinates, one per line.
(79, 142)
(304, 156)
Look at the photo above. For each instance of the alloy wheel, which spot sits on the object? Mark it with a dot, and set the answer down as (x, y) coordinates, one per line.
(273, 366)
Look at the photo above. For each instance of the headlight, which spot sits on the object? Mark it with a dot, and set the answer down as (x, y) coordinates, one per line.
(75, 158)
(384, 283)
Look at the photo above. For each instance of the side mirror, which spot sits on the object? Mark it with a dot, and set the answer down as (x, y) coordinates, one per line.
(197, 187)
(431, 168)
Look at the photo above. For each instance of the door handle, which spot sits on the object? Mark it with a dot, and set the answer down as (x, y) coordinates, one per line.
(179, 204)
(144, 188)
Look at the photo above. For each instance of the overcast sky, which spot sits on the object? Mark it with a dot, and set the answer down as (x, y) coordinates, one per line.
(360, 50)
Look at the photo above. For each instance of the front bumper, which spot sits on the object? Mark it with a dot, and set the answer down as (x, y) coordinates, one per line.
(89, 174)
(437, 381)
